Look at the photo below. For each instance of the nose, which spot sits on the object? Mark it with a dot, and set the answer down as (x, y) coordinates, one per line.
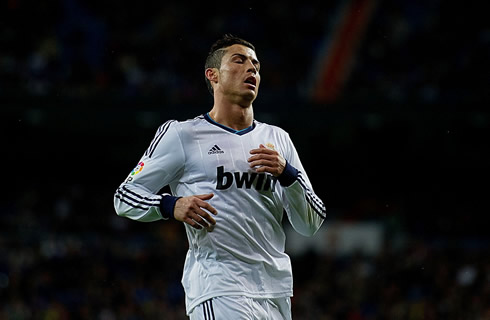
(251, 67)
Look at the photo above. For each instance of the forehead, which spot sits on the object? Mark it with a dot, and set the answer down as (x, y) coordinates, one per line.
(240, 49)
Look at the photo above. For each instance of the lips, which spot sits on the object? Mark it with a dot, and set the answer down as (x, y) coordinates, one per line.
(251, 80)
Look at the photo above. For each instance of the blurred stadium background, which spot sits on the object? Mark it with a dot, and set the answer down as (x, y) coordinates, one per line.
(386, 101)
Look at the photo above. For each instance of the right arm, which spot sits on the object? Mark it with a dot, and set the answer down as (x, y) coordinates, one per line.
(163, 162)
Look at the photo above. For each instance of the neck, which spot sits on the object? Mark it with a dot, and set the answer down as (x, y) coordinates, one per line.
(233, 115)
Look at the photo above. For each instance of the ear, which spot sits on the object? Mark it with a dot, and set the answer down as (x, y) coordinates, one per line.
(211, 74)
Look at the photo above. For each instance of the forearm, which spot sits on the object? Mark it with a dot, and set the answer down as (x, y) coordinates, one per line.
(137, 203)
(305, 209)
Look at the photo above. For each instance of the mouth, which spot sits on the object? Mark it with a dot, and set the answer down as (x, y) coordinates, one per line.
(251, 81)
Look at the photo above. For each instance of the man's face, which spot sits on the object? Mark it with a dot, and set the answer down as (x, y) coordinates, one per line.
(239, 76)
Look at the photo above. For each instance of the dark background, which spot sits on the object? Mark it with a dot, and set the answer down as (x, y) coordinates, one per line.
(84, 86)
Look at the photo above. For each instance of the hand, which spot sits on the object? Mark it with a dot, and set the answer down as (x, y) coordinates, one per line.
(193, 210)
(267, 160)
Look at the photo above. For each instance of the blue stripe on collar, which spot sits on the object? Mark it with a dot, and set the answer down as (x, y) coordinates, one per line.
(238, 132)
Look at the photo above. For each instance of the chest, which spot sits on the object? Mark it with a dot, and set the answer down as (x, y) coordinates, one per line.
(221, 158)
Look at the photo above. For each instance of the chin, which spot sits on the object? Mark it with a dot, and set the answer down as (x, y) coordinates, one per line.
(245, 98)
(250, 96)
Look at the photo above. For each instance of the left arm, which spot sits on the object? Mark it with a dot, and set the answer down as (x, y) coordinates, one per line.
(305, 209)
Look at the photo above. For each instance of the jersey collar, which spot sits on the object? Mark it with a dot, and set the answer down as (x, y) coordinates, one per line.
(238, 132)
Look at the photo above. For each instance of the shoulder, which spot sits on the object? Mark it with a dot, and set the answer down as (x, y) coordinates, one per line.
(189, 123)
(175, 128)
(181, 125)
(172, 133)
(272, 129)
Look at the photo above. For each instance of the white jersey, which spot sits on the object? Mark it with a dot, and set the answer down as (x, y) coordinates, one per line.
(244, 254)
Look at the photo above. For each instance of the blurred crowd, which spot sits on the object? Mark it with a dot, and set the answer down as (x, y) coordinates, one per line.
(422, 51)
(425, 52)
(80, 49)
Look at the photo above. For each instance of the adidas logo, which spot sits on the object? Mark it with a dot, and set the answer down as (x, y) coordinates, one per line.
(215, 150)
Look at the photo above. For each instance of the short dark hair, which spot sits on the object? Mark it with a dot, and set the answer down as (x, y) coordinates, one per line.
(217, 52)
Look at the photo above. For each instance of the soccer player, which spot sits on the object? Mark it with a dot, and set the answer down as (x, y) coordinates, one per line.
(231, 177)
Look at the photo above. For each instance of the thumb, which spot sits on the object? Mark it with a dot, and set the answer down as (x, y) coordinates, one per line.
(262, 146)
(206, 196)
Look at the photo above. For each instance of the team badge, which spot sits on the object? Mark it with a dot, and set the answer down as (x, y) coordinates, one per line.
(138, 168)
(270, 146)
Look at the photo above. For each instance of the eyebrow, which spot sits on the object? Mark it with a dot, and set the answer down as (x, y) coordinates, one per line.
(254, 61)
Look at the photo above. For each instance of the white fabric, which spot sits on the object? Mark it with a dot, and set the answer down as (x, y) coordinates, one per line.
(242, 308)
(244, 254)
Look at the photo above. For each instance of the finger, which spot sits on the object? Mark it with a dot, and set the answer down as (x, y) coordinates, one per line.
(202, 223)
(195, 214)
(206, 196)
(263, 148)
(203, 209)
(203, 214)
(261, 162)
(261, 156)
(207, 206)
(197, 218)
(266, 169)
(192, 223)
(262, 151)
